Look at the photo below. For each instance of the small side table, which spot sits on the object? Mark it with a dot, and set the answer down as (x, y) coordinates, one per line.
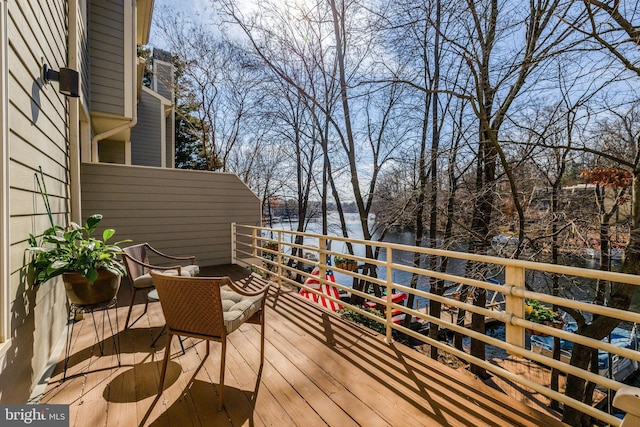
(115, 334)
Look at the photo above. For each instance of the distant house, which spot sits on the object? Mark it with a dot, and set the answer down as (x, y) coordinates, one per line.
(108, 150)
(153, 137)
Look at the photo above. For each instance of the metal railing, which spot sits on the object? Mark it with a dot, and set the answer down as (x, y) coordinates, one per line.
(282, 266)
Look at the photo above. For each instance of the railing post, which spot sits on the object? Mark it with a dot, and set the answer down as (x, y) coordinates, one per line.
(322, 252)
(388, 312)
(279, 259)
(234, 238)
(254, 243)
(514, 305)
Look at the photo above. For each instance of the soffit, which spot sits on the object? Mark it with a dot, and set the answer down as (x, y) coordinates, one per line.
(103, 123)
(143, 24)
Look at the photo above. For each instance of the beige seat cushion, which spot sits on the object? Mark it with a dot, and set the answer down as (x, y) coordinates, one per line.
(145, 281)
(190, 270)
(238, 308)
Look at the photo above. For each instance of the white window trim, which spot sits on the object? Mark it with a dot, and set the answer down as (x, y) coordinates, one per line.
(130, 58)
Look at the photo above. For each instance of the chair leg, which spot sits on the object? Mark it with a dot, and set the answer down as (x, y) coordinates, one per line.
(133, 297)
(162, 331)
(262, 342)
(181, 344)
(167, 353)
(222, 362)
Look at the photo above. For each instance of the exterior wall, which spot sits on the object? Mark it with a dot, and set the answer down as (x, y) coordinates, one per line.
(37, 136)
(146, 143)
(177, 211)
(107, 50)
(163, 78)
(112, 152)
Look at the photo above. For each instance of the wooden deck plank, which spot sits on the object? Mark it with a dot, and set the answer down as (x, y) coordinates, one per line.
(450, 399)
(371, 390)
(289, 396)
(319, 370)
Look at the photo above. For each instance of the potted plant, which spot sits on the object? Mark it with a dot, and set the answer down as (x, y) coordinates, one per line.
(345, 263)
(89, 266)
(535, 311)
(270, 245)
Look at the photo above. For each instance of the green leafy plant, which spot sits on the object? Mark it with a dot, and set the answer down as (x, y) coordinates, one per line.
(535, 311)
(339, 259)
(75, 250)
(345, 263)
(271, 245)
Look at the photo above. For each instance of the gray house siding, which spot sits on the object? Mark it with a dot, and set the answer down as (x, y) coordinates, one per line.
(179, 212)
(146, 136)
(164, 79)
(37, 137)
(106, 42)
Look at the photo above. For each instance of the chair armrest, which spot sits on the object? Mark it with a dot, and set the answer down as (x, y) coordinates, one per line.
(237, 289)
(192, 259)
(153, 267)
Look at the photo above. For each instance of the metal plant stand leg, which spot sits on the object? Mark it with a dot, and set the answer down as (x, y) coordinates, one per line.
(115, 336)
(70, 323)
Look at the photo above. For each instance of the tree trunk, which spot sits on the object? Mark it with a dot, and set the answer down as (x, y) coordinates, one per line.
(600, 327)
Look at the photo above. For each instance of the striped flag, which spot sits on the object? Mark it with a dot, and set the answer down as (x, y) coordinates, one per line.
(326, 289)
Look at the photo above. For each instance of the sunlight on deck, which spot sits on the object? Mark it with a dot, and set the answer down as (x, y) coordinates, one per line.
(319, 370)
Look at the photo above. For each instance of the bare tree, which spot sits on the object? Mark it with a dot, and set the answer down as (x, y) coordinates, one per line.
(217, 80)
(609, 26)
(337, 47)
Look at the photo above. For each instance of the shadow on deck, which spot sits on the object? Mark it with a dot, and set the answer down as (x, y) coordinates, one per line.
(319, 370)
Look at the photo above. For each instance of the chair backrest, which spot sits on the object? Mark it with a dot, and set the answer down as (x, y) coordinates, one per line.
(139, 253)
(192, 304)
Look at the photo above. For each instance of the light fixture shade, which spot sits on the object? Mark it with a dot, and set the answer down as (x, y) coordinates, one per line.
(69, 82)
(68, 79)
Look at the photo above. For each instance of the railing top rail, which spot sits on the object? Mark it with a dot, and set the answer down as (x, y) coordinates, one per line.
(506, 262)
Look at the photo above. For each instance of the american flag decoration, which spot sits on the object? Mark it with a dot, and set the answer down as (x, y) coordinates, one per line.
(324, 288)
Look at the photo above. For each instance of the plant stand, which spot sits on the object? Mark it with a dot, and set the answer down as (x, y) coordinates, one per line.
(349, 266)
(556, 325)
(75, 309)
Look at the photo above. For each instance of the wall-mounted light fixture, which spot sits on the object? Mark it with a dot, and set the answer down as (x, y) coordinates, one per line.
(68, 79)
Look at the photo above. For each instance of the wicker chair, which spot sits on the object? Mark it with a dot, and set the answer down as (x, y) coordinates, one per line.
(136, 261)
(209, 308)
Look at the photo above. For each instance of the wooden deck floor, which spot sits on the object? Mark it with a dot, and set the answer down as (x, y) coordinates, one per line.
(319, 370)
